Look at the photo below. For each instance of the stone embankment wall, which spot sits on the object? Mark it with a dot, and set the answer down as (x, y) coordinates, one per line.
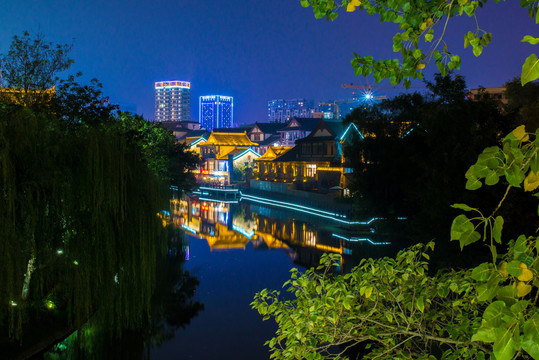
(281, 192)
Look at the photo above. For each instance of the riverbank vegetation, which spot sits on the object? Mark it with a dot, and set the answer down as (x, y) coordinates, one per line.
(81, 186)
(435, 136)
(468, 307)
(394, 308)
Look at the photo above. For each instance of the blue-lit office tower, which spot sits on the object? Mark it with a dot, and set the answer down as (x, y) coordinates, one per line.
(172, 101)
(216, 111)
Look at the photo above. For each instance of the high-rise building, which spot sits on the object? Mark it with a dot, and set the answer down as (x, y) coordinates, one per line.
(172, 101)
(216, 111)
(284, 110)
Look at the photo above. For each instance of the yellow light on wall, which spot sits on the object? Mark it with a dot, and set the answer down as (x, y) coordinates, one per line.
(329, 169)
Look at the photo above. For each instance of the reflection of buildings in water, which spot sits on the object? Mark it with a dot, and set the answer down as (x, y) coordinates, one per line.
(214, 222)
(233, 226)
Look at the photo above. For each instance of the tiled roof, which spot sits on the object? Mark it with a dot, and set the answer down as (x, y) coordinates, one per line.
(273, 152)
(229, 138)
(238, 130)
(272, 139)
(270, 128)
(307, 124)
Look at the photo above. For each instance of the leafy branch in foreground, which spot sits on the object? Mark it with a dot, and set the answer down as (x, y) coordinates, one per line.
(418, 20)
(391, 308)
(509, 284)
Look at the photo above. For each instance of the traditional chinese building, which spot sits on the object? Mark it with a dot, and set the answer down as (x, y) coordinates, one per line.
(266, 135)
(223, 151)
(297, 128)
(317, 161)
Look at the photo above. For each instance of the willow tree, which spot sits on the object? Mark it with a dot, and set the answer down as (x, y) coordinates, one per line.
(78, 218)
(420, 40)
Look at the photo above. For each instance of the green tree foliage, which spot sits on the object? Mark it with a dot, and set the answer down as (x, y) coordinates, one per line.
(71, 170)
(524, 101)
(31, 67)
(435, 137)
(169, 160)
(83, 104)
(172, 307)
(393, 308)
(420, 40)
(69, 229)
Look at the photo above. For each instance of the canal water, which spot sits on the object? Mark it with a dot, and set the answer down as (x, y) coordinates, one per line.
(237, 249)
(230, 250)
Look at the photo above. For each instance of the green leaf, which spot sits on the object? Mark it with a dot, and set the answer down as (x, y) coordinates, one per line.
(520, 306)
(520, 248)
(477, 50)
(460, 225)
(505, 347)
(530, 39)
(530, 69)
(513, 268)
(497, 229)
(530, 339)
(486, 334)
(473, 183)
(463, 207)
(506, 293)
(482, 272)
(305, 3)
(514, 176)
(492, 178)
(485, 292)
(420, 304)
(469, 237)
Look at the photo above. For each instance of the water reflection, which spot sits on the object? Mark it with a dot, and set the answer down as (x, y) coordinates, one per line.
(172, 307)
(226, 225)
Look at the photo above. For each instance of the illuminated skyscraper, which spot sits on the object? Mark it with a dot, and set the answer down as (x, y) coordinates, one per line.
(216, 111)
(172, 100)
(284, 110)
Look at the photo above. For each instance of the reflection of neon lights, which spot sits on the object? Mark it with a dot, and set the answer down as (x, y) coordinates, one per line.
(190, 229)
(242, 231)
(291, 205)
(357, 239)
(311, 211)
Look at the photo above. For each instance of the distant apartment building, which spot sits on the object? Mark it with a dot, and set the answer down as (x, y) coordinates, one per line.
(329, 110)
(216, 111)
(283, 110)
(497, 93)
(172, 101)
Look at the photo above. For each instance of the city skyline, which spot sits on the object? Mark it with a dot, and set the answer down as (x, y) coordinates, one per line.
(254, 52)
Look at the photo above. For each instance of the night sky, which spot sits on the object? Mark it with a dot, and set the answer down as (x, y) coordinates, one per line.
(254, 51)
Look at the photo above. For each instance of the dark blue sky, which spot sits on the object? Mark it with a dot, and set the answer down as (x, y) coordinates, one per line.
(252, 50)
